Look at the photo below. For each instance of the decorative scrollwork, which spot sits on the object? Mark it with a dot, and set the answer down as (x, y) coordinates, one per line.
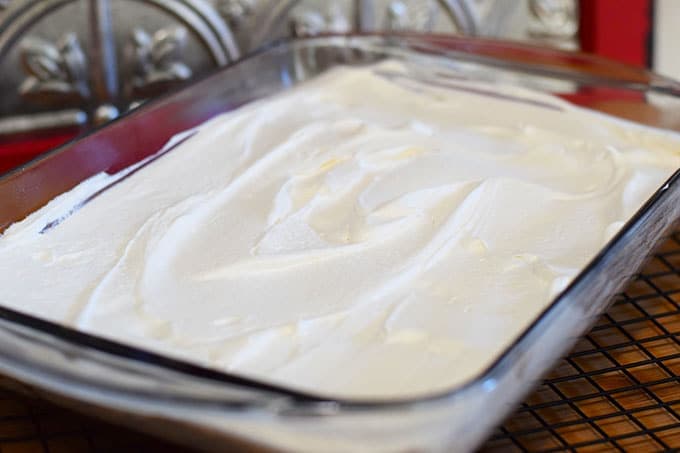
(156, 61)
(557, 17)
(57, 74)
(397, 16)
(403, 15)
(235, 12)
(102, 78)
(309, 22)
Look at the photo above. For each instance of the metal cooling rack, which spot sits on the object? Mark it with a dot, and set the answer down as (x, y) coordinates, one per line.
(619, 389)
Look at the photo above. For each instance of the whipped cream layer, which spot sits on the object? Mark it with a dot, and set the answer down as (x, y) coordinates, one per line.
(368, 233)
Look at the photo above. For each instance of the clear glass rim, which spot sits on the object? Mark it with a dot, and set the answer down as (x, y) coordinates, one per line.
(408, 42)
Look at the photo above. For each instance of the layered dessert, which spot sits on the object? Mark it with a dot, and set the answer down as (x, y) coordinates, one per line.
(369, 233)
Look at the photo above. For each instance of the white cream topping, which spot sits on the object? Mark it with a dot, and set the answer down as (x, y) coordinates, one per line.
(365, 234)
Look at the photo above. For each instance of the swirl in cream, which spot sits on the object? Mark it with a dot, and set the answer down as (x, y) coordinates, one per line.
(365, 234)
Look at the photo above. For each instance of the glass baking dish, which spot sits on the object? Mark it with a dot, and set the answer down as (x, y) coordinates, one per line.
(212, 410)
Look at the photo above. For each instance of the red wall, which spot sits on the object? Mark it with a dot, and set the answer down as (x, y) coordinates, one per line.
(618, 29)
